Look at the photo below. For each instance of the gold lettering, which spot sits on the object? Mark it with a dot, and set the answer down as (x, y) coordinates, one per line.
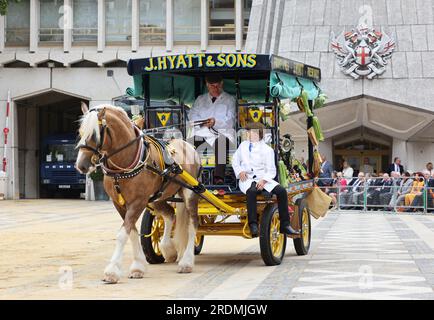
(190, 60)
(210, 62)
(251, 58)
(181, 60)
(313, 73)
(231, 60)
(298, 69)
(151, 65)
(172, 61)
(221, 60)
(242, 60)
(199, 57)
(162, 63)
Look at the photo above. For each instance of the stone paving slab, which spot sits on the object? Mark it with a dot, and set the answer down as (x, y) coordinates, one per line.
(353, 255)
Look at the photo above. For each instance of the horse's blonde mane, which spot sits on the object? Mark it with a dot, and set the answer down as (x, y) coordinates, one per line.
(89, 124)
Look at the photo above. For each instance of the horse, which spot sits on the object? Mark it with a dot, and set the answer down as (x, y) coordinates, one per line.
(109, 138)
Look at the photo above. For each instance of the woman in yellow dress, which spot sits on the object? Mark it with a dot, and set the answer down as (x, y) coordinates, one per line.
(416, 189)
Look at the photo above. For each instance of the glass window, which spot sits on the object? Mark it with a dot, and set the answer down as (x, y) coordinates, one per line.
(60, 153)
(85, 20)
(51, 23)
(222, 20)
(152, 21)
(246, 14)
(18, 23)
(118, 20)
(187, 20)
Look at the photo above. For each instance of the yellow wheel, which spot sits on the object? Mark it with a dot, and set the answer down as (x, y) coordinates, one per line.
(302, 244)
(152, 229)
(272, 242)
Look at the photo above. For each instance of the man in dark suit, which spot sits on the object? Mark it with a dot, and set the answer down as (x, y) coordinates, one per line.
(395, 166)
(326, 173)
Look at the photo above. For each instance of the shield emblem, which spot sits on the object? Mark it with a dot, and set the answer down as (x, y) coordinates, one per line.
(163, 117)
(363, 55)
(255, 114)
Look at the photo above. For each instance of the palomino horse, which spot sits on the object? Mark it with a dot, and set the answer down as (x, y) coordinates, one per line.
(108, 137)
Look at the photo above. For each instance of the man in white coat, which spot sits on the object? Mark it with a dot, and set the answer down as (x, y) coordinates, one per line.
(254, 165)
(218, 108)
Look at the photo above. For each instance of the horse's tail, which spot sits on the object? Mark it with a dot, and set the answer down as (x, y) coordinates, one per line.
(181, 228)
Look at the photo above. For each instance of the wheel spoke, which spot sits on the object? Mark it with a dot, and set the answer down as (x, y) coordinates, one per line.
(158, 226)
(276, 239)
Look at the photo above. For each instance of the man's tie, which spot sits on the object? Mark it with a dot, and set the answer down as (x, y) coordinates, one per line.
(213, 99)
(250, 147)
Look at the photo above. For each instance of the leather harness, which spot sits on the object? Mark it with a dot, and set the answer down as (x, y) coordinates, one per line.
(166, 166)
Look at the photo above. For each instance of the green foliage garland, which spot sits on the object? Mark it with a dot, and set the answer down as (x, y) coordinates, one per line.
(4, 6)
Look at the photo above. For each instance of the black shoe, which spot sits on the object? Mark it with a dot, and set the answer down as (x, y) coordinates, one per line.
(288, 230)
(254, 230)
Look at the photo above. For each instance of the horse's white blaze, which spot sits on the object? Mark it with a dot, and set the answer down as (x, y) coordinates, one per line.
(138, 267)
(113, 270)
(167, 247)
(186, 263)
(88, 127)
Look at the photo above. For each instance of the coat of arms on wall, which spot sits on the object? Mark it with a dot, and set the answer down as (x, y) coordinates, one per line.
(363, 52)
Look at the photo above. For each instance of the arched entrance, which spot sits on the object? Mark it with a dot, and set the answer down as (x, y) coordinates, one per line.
(46, 133)
(364, 149)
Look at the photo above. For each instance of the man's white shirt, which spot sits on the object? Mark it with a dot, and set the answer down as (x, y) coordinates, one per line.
(222, 110)
(257, 162)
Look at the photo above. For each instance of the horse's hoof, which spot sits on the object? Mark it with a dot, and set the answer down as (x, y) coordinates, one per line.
(112, 274)
(111, 278)
(171, 258)
(136, 274)
(137, 270)
(185, 269)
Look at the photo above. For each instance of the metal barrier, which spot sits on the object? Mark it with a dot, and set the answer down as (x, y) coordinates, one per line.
(373, 193)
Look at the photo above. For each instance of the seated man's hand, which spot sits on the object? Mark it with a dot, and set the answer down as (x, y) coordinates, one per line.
(260, 185)
(243, 176)
(210, 123)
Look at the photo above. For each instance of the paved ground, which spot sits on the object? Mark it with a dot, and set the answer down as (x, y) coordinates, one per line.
(55, 249)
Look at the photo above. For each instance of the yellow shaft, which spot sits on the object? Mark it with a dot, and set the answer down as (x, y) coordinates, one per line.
(207, 194)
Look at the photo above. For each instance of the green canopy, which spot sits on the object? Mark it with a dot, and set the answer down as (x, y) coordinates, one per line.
(286, 86)
(181, 77)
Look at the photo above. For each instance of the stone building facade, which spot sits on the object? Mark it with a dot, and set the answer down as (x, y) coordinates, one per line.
(56, 53)
(390, 115)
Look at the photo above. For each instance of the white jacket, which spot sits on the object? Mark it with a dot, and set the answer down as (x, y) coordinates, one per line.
(258, 163)
(222, 110)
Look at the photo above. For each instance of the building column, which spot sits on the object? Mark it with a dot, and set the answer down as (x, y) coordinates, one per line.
(2, 33)
(101, 26)
(239, 25)
(399, 149)
(34, 25)
(67, 25)
(135, 26)
(169, 25)
(204, 24)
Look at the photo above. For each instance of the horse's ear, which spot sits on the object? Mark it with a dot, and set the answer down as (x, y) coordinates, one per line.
(84, 107)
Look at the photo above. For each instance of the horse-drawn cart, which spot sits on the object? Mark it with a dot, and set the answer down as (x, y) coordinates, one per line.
(259, 83)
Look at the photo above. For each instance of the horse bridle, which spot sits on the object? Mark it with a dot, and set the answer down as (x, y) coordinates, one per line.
(100, 158)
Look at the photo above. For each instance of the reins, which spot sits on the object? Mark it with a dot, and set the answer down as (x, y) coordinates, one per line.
(103, 159)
